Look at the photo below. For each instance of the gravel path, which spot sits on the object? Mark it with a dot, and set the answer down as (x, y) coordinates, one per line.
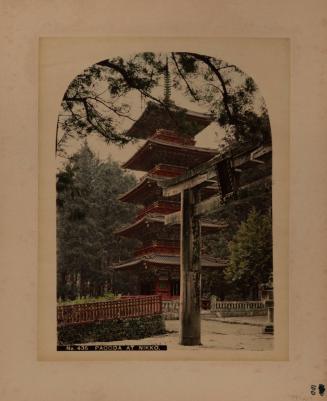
(214, 334)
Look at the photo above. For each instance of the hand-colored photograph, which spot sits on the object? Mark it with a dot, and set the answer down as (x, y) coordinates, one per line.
(164, 206)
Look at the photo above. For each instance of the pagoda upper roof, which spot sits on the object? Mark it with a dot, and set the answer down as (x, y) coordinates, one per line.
(170, 260)
(158, 222)
(170, 117)
(158, 151)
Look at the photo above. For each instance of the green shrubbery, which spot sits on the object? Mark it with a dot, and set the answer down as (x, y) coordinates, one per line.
(108, 296)
(111, 330)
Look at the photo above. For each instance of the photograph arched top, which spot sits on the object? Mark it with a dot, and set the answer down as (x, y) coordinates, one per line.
(123, 99)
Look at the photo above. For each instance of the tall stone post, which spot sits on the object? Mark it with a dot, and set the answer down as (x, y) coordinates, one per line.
(269, 304)
(213, 302)
(190, 297)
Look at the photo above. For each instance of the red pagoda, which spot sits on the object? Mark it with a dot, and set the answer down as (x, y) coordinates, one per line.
(166, 153)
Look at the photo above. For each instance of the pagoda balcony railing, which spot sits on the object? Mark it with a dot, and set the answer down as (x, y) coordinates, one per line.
(164, 242)
(127, 307)
(162, 171)
(160, 207)
(158, 247)
(172, 137)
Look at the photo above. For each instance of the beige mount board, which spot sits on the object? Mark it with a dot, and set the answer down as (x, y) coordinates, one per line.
(304, 25)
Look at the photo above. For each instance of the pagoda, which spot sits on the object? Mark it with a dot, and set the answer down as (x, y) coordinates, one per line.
(167, 152)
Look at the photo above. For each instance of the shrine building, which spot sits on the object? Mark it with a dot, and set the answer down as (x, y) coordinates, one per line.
(169, 151)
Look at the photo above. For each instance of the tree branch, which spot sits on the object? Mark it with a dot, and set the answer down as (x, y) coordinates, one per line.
(111, 108)
(184, 78)
(131, 82)
(216, 87)
(206, 60)
(128, 79)
(228, 66)
(89, 118)
(86, 106)
(57, 129)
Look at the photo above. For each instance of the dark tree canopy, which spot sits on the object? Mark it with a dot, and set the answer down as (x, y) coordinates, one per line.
(251, 262)
(88, 213)
(99, 100)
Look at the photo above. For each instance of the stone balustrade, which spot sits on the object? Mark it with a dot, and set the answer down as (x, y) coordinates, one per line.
(170, 309)
(237, 308)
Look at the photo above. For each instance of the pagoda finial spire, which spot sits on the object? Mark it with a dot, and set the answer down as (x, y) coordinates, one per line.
(167, 84)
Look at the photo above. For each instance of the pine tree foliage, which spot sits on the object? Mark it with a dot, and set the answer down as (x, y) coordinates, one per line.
(251, 255)
(88, 212)
(99, 99)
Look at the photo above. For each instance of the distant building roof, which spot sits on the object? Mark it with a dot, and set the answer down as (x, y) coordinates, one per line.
(156, 116)
(170, 260)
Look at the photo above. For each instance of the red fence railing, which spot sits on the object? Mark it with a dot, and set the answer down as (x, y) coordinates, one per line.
(119, 309)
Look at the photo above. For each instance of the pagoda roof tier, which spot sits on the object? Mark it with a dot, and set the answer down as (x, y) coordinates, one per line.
(148, 190)
(157, 223)
(161, 206)
(144, 189)
(174, 118)
(169, 261)
(156, 151)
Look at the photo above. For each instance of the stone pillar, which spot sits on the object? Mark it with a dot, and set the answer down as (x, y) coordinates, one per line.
(190, 297)
(213, 301)
(269, 303)
(270, 306)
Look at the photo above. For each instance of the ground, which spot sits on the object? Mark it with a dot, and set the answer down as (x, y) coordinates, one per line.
(222, 334)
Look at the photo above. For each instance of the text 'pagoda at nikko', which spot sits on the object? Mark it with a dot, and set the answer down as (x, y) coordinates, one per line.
(169, 150)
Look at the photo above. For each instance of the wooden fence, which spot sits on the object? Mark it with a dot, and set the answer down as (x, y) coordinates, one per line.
(119, 309)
